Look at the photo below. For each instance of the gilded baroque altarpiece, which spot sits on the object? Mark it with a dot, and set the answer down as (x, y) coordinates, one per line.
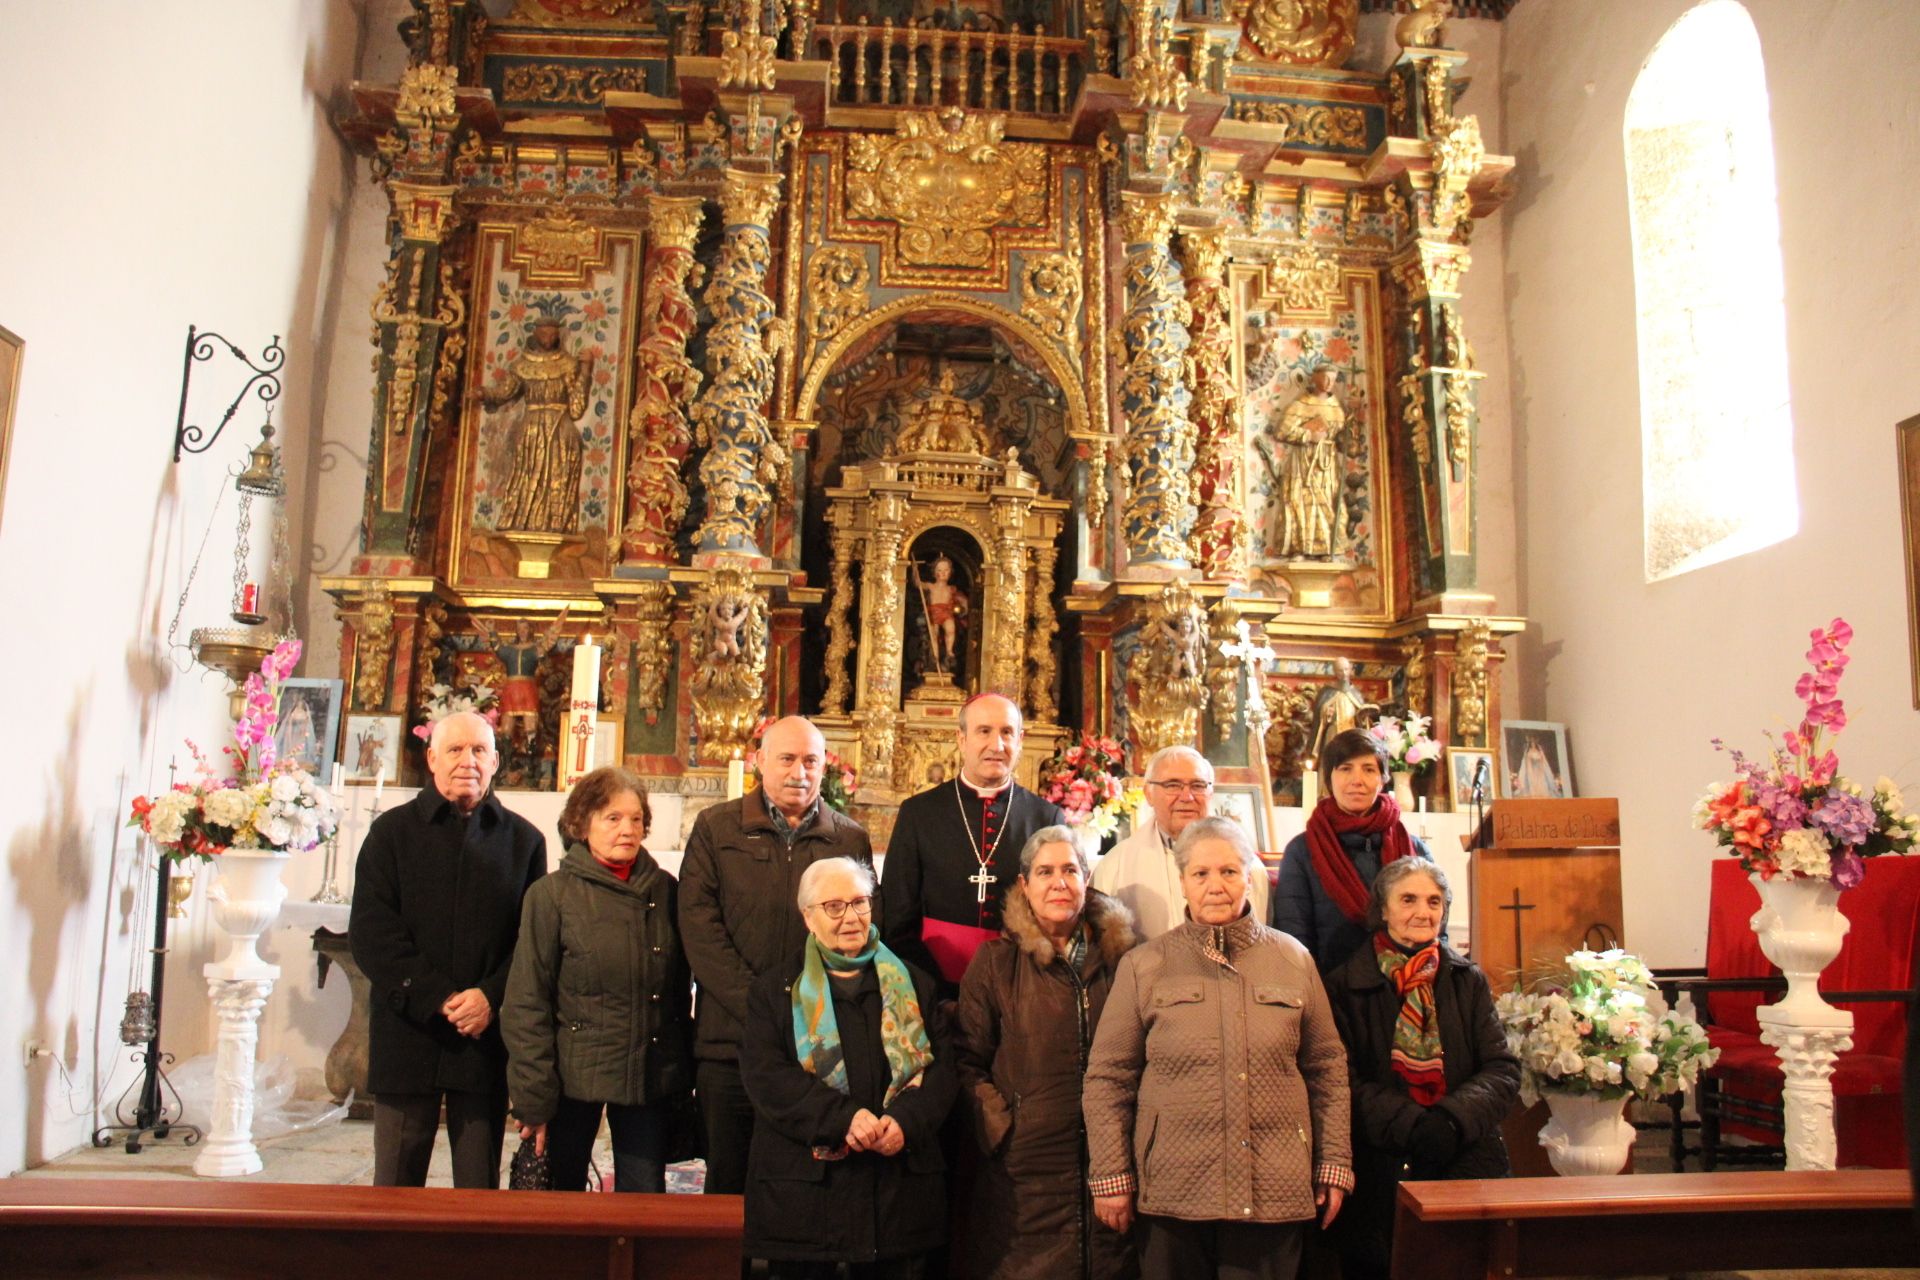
(850, 358)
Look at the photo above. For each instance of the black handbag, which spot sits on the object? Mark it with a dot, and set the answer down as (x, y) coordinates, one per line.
(529, 1171)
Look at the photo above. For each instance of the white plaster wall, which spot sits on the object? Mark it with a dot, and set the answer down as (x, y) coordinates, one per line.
(1646, 674)
(168, 163)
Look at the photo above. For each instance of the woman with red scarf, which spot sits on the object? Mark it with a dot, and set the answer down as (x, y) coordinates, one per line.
(1352, 833)
(1431, 1076)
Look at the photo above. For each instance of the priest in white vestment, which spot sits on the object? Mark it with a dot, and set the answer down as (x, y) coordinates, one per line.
(1140, 871)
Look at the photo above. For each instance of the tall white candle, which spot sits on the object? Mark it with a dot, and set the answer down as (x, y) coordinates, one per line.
(1309, 786)
(339, 784)
(736, 777)
(583, 714)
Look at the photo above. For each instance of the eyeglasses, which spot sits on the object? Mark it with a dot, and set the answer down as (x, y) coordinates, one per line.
(1176, 786)
(837, 907)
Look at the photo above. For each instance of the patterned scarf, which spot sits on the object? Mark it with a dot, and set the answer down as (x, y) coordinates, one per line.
(1416, 1030)
(1334, 865)
(816, 1034)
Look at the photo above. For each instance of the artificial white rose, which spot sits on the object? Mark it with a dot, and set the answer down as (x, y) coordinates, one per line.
(286, 786)
(275, 831)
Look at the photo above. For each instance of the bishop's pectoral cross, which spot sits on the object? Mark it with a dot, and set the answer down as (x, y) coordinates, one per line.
(583, 743)
(1519, 953)
(980, 880)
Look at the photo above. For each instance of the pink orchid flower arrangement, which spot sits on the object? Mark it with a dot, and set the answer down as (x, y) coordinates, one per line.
(1792, 813)
(263, 803)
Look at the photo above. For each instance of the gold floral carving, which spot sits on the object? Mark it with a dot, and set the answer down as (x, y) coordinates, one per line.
(427, 635)
(942, 422)
(1318, 126)
(1156, 77)
(559, 244)
(1051, 298)
(1306, 281)
(1460, 421)
(1437, 81)
(1223, 673)
(837, 279)
(1413, 412)
(729, 663)
(839, 633)
(746, 56)
(1169, 671)
(423, 211)
(947, 180)
(452, 319)
(1147, 220)
(1456, 159)
(373, 649)
(564, 84)
(1470, 684)
(1289, 716)
(426, 97)
(1416, 675)
(880, 582)
(652, 648)
(1301, 33)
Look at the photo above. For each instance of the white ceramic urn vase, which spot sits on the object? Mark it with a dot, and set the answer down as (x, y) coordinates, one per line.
(1588, 1135)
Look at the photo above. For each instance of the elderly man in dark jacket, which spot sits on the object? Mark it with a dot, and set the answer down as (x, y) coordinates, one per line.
(1432, 1076)
(436, 912)
(742, 868)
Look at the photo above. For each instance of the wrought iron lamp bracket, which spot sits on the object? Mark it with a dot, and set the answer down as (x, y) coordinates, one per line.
(265, 382)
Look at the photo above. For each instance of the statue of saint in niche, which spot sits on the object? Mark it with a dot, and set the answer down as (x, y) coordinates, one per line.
(944, 606)
(1303, 514)
(542, 491)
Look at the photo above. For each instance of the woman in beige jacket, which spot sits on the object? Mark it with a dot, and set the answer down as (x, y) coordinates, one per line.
(1216, 1092)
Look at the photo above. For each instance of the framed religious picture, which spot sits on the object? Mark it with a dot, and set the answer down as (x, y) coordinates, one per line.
(1243, 802)
(1535, 763)
(308, 724)
(1909, 439)
(11, 348)
(371, 748)
(607, 742)
(1462, 764)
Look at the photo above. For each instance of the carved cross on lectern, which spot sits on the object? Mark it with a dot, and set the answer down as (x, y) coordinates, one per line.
(1519, 951)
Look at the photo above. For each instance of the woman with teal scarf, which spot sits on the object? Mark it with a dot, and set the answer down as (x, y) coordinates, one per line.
(849, 1067)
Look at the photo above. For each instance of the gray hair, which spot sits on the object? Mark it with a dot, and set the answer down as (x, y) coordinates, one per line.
(1218, 828)
(440, 727)
(1165, 754)
(1392, 874)
(818, 871)
(1059, 833)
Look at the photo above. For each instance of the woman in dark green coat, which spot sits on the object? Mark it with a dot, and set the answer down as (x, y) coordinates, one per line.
(597, 1009)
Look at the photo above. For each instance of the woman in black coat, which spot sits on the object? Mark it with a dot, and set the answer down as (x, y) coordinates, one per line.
(1432, 1076)
(850, 1069)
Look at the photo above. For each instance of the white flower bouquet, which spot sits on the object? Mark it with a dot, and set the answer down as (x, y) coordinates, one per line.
(1602, 1028)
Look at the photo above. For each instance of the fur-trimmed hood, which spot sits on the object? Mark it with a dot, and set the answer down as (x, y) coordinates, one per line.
(1111, 922)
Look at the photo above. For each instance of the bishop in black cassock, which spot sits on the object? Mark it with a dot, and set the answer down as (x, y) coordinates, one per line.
(955, 849)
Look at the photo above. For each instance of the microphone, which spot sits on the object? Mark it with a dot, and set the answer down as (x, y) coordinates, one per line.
(1480, 772)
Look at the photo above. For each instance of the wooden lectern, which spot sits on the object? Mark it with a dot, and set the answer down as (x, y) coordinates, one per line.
(1549, 885)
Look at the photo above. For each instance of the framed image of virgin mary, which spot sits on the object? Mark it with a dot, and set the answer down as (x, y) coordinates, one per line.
(1534, 760)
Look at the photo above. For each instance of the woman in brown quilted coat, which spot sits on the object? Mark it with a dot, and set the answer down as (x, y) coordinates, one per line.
(1029, 1005)
(1216, 1092)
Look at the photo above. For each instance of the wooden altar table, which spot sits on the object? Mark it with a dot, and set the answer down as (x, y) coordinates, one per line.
(168, 1230)
(1654, 1224)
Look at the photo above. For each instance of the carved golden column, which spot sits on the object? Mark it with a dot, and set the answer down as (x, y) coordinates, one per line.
(1470, 652)
(1168, 671)
(729, 662)
(839, 632)
(1220, 530)
(1005, 666)
(1041, 628)
(1157, 519)
(652, 648)
(658, 427)
(880, 581)
(417, 314)
(745, 465)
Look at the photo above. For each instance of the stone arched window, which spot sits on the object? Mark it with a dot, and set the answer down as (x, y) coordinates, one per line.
(1715, 416)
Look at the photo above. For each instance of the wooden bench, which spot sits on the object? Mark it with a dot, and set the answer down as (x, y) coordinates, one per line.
(1503, 1229)
(155, 1229)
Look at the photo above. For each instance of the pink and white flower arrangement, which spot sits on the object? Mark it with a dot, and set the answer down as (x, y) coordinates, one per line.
(1792, 813)
(1089, 781)
(263, 803)
(444, 700)
(1409, 749)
